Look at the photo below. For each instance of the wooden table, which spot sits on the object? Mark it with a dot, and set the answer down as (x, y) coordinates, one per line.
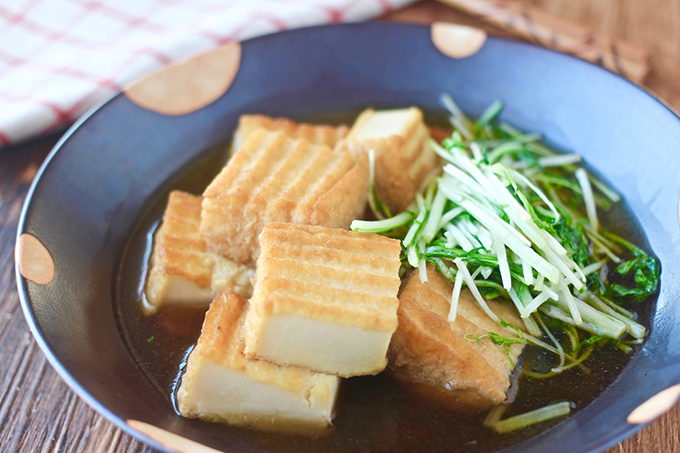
(39, 413)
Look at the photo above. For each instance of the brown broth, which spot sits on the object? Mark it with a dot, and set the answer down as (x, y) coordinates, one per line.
(373, 413)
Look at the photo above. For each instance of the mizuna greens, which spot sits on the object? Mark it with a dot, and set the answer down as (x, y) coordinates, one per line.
(510, 218)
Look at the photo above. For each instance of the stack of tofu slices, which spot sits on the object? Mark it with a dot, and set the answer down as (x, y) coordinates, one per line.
(296, 300)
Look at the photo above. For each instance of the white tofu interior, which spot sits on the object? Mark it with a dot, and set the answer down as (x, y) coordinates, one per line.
(221, 393)
(181, 291)
(322, 346)
(225, 274)
(385, 123)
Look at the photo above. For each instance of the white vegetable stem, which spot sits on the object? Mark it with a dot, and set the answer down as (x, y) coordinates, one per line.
(593, 320)
(469, 281)
(484, 193)
(455, 295)
(588, 198)
(559, 160)
(381, 226)
(432, 226)
(520, 421)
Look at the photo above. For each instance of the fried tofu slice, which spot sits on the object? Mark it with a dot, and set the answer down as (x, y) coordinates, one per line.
(276, 178)
(324, 299)
(436, 358)
(319, 134)
(438, 134)
(182, 271)
(403, 156)
(220, 384)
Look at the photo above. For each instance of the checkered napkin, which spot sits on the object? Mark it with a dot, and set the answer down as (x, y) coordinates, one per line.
(59, 57)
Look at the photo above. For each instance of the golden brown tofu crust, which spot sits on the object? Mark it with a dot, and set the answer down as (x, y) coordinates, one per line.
(319, 134)
(330, 275)
(222, 342)
(179, 250)
(392, 182)
(434, 355)
(274, 178)
(438, 134)
(402, 161)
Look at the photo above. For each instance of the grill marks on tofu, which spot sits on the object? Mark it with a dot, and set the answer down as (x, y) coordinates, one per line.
(285, 297)
(179, 249)
(319, 290)
(340, 269)
(435, 357)
(313, 133)
(182, 271)
(403, 156)
(284, 174)
(332, 258)
(319, 182)
(276, 178)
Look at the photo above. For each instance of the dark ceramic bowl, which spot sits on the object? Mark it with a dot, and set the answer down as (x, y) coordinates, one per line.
(81, 243)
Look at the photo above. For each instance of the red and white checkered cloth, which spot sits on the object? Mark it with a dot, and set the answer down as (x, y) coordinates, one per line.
(59, 57)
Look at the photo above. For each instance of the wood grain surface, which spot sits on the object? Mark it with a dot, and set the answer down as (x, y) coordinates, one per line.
(39, 413)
